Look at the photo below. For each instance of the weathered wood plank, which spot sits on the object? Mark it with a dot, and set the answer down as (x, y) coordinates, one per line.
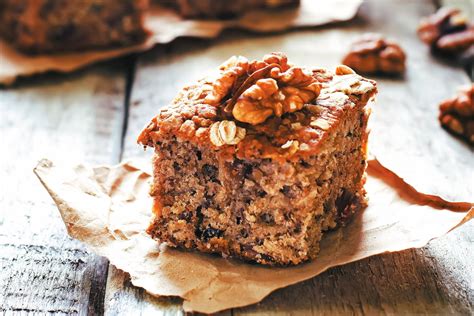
(435, 279)
(67, 119)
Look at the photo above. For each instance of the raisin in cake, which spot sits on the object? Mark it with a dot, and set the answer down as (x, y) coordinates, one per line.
(36, 26)
(259, 160)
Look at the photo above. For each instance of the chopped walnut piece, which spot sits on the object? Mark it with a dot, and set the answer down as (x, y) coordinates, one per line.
(371, 54)
(291, 147)
(287, 144)
(457, 113)
(226, 133)
(320, 123)
(352, 84)
(344, 70)
(304, 147)
(447, 32)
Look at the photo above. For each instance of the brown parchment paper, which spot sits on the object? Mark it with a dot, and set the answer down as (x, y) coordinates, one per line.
(165, 25)
(108, 208)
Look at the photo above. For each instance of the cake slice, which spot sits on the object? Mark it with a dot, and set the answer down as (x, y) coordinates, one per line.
(38, 26)
(259, 160)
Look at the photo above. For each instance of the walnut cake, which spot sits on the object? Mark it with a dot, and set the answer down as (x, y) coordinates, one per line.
(259, 160)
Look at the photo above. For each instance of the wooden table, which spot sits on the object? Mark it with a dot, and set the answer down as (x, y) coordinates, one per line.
(95, 115)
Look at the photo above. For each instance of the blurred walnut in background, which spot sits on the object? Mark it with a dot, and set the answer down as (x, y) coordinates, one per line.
(449, 32)
(457, 113)
(372, 54)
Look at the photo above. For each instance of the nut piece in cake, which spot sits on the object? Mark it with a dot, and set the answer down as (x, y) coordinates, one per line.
(260, 159)
(38, 26)
(223, 9)
(457, 114)
(372, 54)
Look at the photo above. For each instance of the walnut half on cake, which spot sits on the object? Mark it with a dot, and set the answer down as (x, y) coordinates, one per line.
(259, 160)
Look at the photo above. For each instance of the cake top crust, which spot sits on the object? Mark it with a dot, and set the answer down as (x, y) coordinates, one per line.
(261, 109)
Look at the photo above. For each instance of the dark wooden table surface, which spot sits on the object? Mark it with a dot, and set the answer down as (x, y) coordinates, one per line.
(95, 115)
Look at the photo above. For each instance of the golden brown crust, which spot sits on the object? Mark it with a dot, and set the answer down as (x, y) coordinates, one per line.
(284, 135)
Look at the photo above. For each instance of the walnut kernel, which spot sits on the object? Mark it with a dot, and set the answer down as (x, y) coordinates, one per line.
(446, 20)
(371, 54)
(291, 147)
(344, 70)
(320, 123)
(226, 133)
(253, 91)
(352, 84)
(448, 32)
(457, 113)
(284, 92)
(231, 70)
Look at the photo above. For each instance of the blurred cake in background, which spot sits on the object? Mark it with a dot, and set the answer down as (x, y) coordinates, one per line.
(38, 26)
(222, 8)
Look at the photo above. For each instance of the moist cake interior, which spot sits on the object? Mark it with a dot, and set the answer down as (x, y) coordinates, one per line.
(266, 212)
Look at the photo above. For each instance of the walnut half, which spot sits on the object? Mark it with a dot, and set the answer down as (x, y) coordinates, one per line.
(457, 113)
(226, 133)
(372, 54)
(253, 91)
(449, 33)
(283, 90)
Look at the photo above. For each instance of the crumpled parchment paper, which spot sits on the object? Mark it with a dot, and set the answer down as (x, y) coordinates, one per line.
(108, 208)
(165, 25)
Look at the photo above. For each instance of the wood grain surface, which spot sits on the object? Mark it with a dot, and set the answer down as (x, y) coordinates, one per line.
(90, 116)
(73, 118)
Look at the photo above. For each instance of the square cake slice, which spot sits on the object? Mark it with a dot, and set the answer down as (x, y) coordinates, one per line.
(259, 160)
